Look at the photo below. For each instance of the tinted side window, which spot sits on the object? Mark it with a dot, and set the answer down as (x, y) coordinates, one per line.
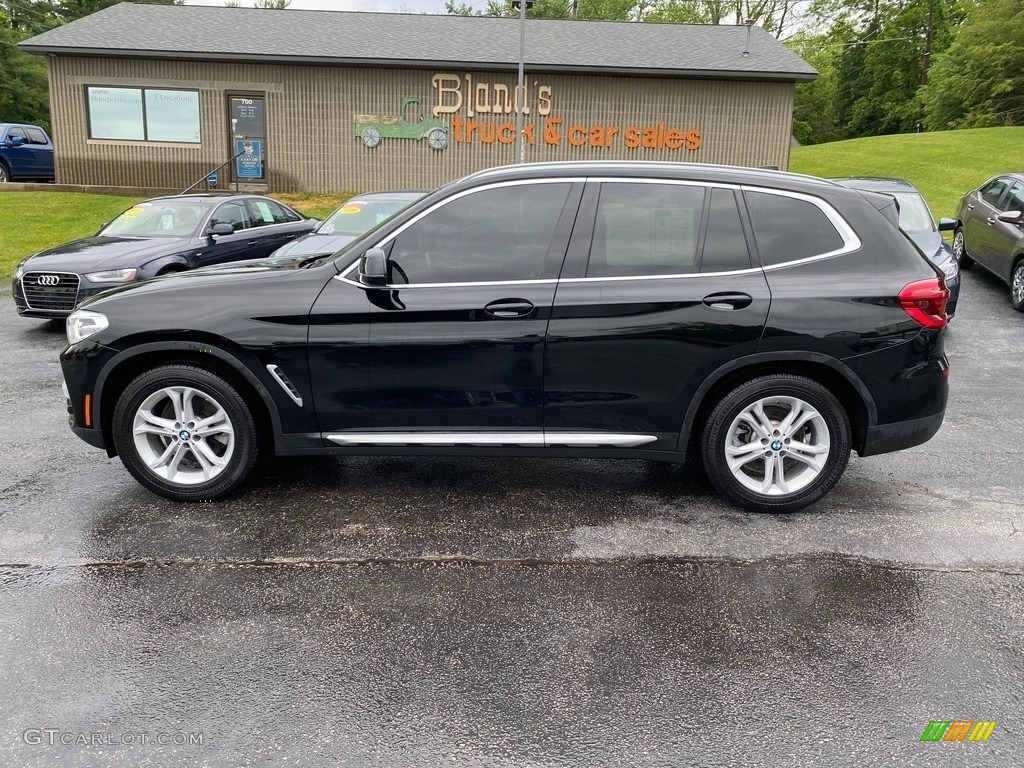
(36, 136)
(994, 190)
(725, 247)
(16, 132)
(645, 229)
(1015, 200)
(497, 234)
(231, 213)
(265, 212)
(787, 229)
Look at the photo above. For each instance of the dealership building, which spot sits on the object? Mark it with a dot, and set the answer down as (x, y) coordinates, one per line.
(158, 96)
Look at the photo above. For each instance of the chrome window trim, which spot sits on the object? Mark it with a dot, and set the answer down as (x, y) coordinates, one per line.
(491, 439)
(850, 240)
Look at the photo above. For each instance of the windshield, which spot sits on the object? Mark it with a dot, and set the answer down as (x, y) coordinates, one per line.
(914, 213)
(158, 218)
(361, 214)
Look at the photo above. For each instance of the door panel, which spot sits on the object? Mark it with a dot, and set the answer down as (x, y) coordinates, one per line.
(466, 354)
(441, 359)
(627, 355)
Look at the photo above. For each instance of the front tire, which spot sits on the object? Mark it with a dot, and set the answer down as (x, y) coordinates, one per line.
(185, 433)
(5, 176)
(776, 443)
(1017, 286)
(960, 249)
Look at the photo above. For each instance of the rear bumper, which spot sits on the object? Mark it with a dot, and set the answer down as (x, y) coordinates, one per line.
(885, 438)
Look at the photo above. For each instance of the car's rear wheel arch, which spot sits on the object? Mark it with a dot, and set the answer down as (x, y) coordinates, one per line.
(844, 386)
(114, 381)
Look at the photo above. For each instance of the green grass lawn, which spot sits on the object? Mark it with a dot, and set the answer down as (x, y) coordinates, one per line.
(942, 165)
(42, 219)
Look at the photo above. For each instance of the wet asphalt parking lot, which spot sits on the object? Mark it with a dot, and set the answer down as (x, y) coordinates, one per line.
(514, 612)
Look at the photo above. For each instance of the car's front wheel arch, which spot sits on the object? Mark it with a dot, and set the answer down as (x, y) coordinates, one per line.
(125, 368)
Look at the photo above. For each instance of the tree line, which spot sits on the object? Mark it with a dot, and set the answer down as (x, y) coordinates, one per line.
(886, 66)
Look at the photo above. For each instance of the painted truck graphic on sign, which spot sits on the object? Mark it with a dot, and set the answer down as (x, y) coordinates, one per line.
(409, 124)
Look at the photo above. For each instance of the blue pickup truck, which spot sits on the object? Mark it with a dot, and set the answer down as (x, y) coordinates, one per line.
(26, 153)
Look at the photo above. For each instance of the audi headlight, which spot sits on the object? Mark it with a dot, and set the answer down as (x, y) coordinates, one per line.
(113, 276)
(19, 272)
(82, 324)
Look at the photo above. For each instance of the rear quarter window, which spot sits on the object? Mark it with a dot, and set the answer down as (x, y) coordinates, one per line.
(790, 229)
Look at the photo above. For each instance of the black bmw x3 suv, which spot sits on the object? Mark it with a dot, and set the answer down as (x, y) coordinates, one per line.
(766, 322)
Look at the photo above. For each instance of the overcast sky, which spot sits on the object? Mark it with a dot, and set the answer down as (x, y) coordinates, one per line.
(375, 6)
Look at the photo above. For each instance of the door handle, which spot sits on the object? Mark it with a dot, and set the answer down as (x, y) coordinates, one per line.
(509, 308)
(970, 206)
(991, 220)
(253, 243)
(728, 300)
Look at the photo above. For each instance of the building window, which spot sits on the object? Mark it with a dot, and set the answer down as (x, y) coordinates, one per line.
(143, 114)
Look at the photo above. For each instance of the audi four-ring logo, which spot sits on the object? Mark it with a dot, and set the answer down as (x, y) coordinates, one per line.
(48, 279)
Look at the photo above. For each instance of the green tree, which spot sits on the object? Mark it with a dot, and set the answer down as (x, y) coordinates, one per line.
(978, 81)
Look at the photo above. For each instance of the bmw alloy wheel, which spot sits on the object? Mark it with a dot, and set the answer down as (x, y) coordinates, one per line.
(776, 443)
(185, 433)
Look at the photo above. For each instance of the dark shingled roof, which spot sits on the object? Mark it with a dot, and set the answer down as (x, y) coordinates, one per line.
(421, 41)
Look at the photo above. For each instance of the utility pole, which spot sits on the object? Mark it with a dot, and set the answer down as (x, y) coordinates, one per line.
(520, 148)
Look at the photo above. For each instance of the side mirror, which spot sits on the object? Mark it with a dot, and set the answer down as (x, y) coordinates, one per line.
(373, 268)
(16, 141)
(1012, 217)
(221, 228)
(947, 225)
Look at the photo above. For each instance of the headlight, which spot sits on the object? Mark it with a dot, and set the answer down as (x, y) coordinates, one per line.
(113, 276)
(20, 271)
(950, 268)
(82, 324)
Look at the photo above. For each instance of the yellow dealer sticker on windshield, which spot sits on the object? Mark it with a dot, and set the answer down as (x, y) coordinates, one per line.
(351, 209)
(135, 210)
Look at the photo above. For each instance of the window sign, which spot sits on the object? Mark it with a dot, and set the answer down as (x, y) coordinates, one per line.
(116, 113)
(143, 114)
(249, 163)
(247, 117)
(172, 116)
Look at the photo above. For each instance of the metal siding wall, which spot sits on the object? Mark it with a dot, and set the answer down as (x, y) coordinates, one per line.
(312, 144)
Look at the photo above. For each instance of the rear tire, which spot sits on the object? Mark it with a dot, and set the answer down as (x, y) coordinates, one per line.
(5, 175)
(776, 443)
(185, 433)
(960, 249)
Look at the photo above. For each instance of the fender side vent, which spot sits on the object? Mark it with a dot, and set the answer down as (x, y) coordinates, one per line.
(286, 384)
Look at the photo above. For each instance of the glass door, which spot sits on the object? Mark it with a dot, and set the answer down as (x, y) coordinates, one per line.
(248, 136)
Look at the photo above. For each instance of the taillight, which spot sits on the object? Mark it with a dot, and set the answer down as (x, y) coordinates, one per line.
(925, 302)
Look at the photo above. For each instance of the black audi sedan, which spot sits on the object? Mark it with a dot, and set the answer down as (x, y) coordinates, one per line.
(766, 322)
(152, 238)
(917, 221)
